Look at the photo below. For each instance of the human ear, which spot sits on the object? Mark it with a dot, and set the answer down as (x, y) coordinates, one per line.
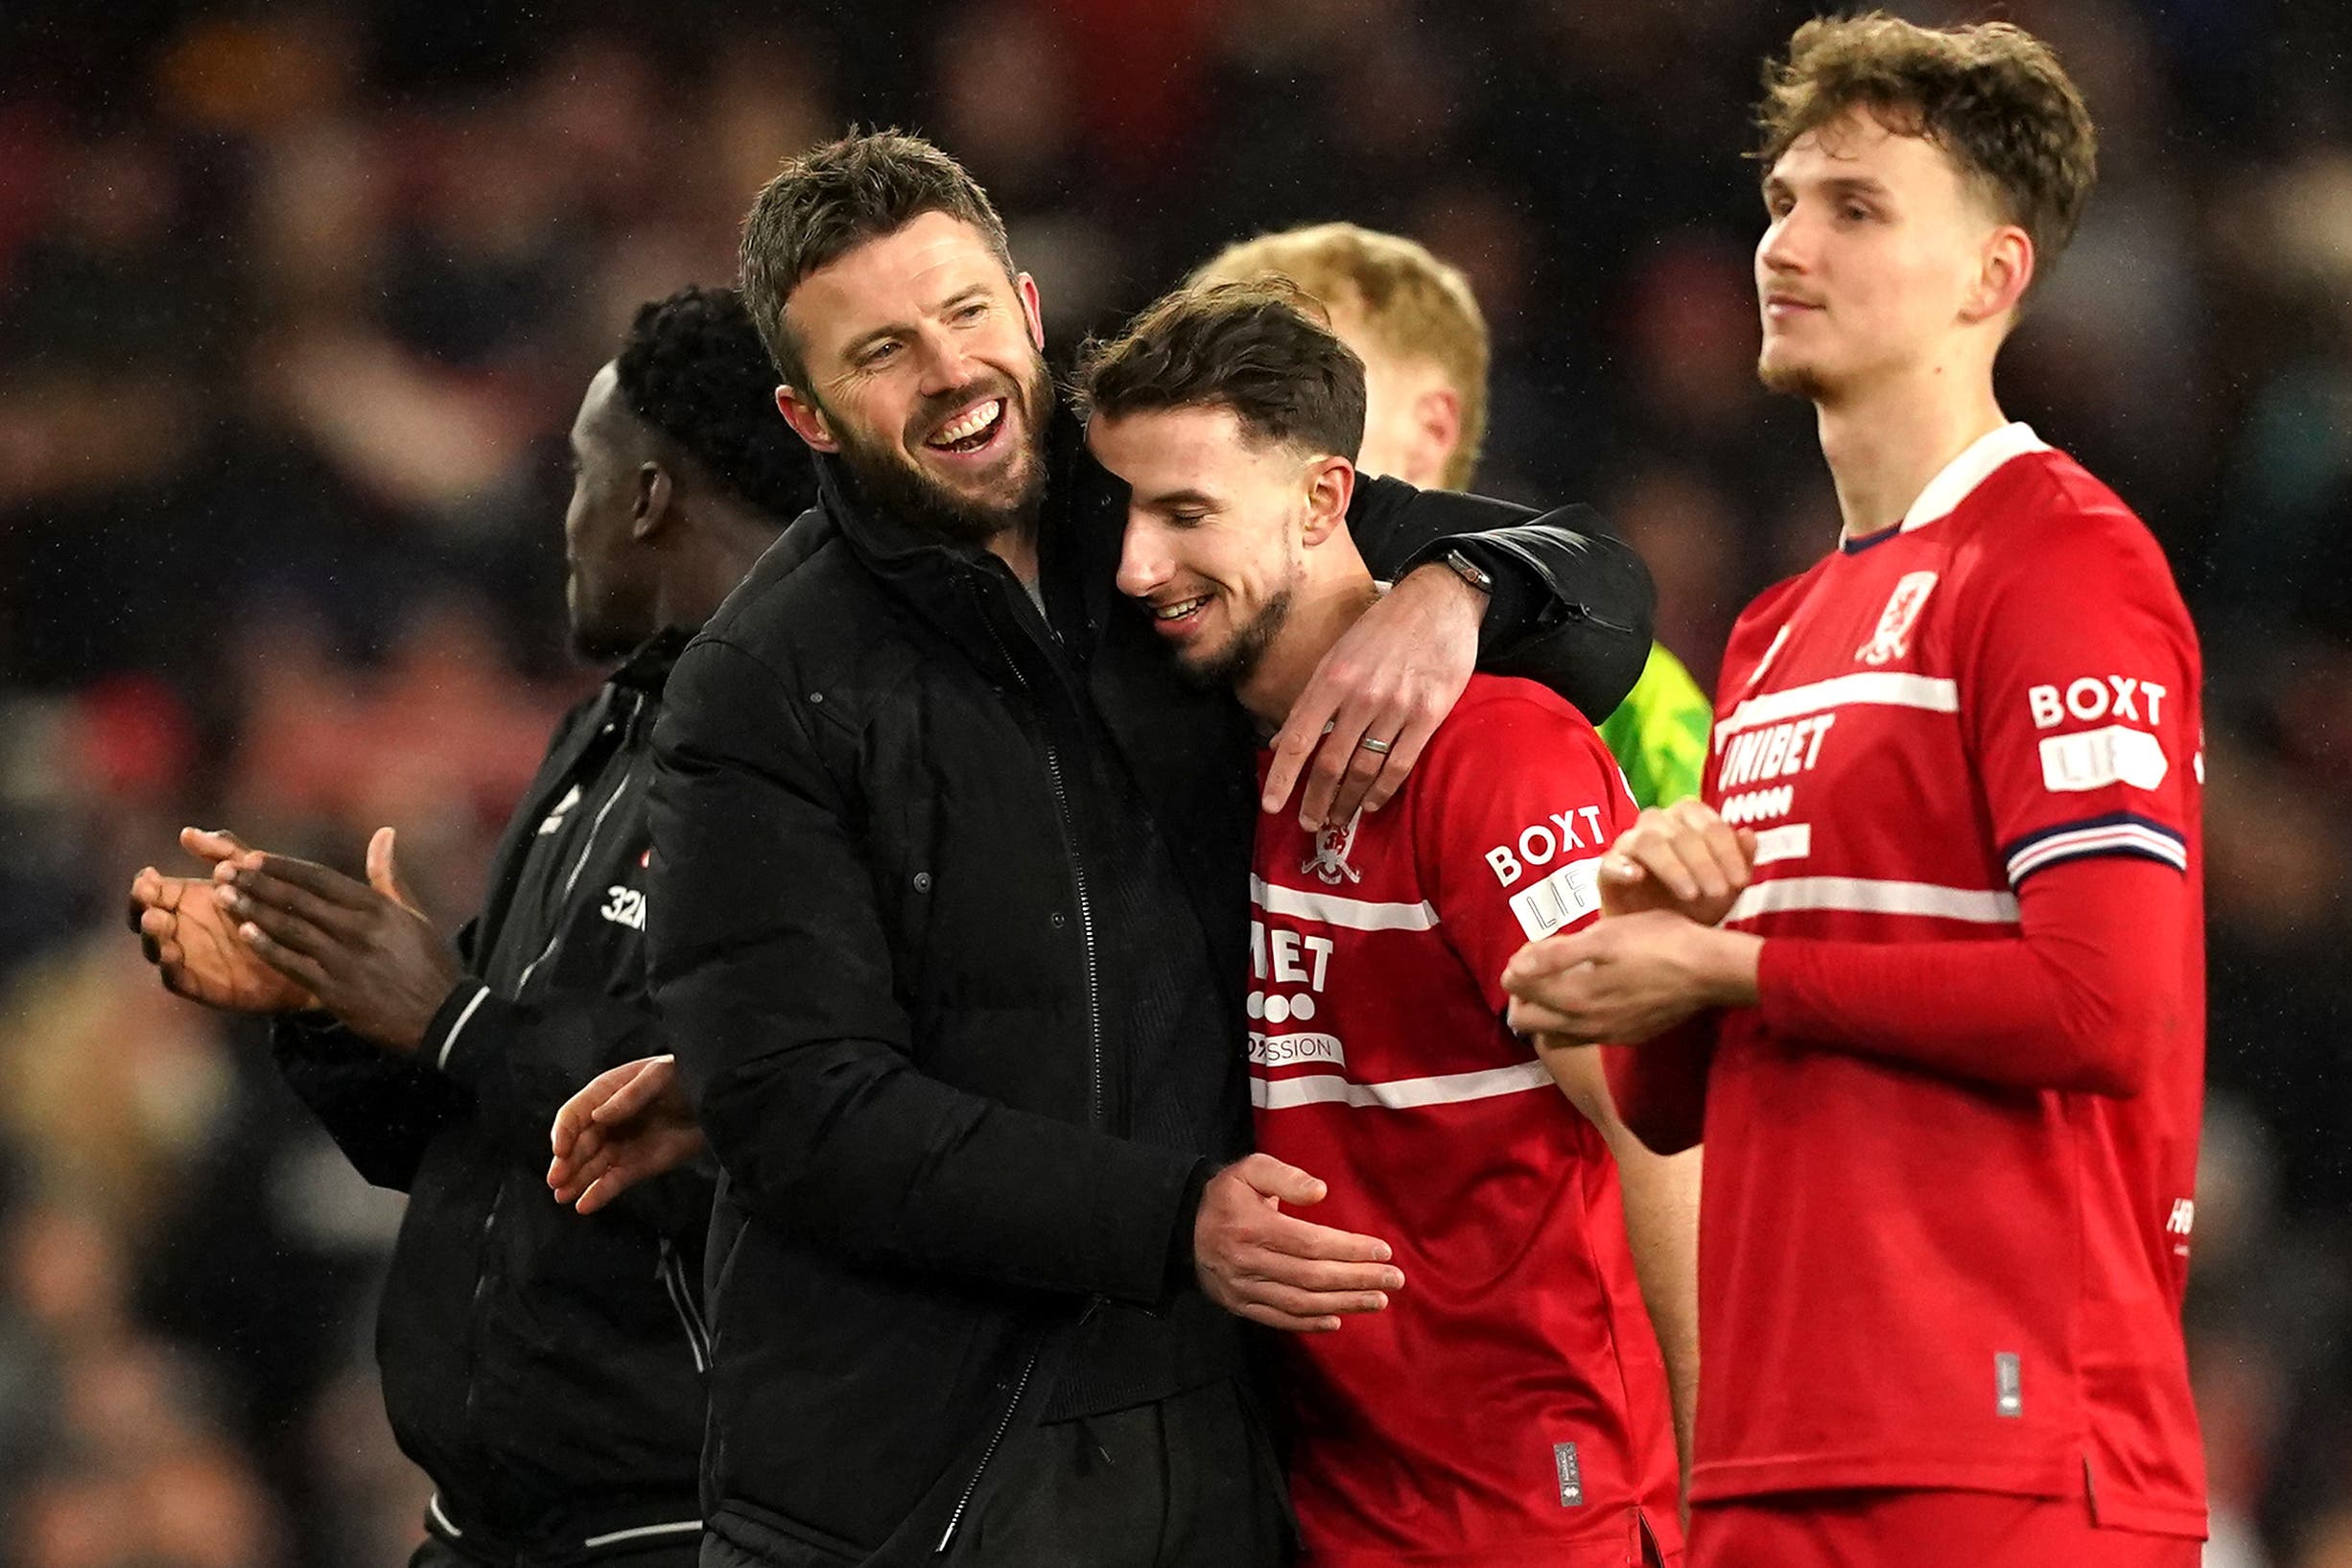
(1034, 313)
(1331, 484)
(1436, 425)
(2005, 271)
(654, 493)
(807, 419)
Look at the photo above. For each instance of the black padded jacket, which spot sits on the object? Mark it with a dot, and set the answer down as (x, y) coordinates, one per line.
(950, 923)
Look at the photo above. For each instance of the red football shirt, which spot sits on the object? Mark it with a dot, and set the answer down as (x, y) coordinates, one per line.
(1510, 1406)
(1912, 1278)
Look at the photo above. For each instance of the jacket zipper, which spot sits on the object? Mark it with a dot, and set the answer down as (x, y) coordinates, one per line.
(964, 1502)
(1077, 877)
(1094, 1024)
(489, 1220)
(588, 848)
(670, 1269)
(482, 1289)
(1086, 935)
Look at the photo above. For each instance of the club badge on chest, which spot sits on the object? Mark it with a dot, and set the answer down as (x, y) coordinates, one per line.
(1893, 637)
(1330, 861)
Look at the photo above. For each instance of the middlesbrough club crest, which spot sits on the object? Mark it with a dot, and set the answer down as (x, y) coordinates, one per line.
(1330, 861)
(1892, 639)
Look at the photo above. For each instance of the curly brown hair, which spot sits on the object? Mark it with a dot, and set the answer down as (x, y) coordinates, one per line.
(1992, 96)
(1263, 348)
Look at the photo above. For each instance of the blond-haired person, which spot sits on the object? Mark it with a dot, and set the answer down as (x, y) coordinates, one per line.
(1415, 322)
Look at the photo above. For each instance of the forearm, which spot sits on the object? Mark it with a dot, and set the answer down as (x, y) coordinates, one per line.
(1662, 1226)
(845, 1145)
(1660, 1198)
(1572, 607)
(1660, 1086)
(381, 1110)
(2073, 1004)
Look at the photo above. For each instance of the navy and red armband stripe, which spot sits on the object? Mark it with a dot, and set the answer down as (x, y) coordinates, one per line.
(2118, 832)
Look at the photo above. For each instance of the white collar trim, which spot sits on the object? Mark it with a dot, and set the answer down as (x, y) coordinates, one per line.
(1975, 464)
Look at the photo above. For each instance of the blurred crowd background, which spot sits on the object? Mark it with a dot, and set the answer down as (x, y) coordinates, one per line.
(297, 299)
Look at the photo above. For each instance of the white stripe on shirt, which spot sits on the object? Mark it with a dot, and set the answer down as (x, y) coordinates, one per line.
(1354, 914)
(1870, 896)
(1882, 687)
(1401, 1095)
(451, 1038)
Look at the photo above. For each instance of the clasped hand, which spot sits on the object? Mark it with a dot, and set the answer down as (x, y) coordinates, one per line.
(1655, 957)
(269, 934)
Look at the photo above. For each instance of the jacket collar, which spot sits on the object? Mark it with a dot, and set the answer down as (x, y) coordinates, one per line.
(648, 669)
(1078, 540)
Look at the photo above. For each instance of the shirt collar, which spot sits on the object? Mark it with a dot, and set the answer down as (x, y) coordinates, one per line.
(1975, 464)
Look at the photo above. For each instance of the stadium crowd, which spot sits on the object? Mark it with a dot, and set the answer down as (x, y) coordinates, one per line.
(295, 306)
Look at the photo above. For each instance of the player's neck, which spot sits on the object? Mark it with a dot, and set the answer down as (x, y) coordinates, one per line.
(1884, 445)
(718, 546)
(1321, 611)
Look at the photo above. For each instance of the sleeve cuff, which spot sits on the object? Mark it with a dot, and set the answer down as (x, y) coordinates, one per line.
(2117, 832)
(1180, 1277)
(451, 1038)
(313, 1032)
(1515, 600)
(1141, 1180)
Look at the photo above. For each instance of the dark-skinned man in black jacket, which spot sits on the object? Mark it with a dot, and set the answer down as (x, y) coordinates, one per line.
(949, 920)
(546, 1372)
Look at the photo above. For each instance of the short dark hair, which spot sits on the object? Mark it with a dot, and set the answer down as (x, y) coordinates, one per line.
(694, 369)
(1992, 96)
(1262, 348)
(832, 198)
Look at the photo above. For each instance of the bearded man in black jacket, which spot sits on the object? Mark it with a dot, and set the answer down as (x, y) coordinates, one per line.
(950, 923)
(547, 1373)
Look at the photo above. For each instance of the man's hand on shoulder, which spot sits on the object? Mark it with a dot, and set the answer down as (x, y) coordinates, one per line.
(363, 949)
(1375, 699)
(193, 942)
(1259, 1263)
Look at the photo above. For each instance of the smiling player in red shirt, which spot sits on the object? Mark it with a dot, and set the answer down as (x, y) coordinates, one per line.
(1508, 1404)
(1946, 1044)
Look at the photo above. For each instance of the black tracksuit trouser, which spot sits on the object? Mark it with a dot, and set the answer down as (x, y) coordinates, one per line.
(1187, 1482)
(670, 1553)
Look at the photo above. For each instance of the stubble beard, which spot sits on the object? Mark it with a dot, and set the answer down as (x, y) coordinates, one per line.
(1791, 380)
(1230, 667)
(597, 636)
(887, 480)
